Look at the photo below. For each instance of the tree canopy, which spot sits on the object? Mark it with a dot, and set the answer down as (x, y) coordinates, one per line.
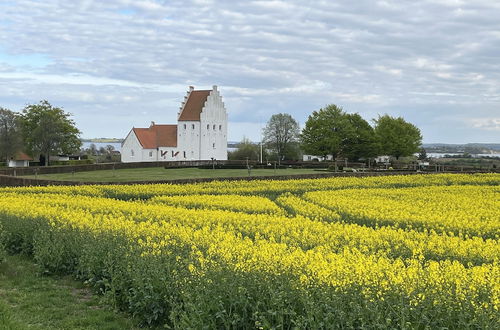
(360, 140)
(281, 135)
(397, 137)
(322, 133)
(331, 131)
(10, 134)
(49, 130)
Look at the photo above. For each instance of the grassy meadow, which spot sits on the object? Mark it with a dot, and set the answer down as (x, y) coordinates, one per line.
(160, 173)
(30, 300)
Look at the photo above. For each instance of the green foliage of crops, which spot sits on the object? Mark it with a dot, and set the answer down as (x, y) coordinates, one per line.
(304, 254)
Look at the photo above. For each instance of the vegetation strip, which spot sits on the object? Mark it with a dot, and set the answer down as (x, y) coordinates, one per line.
(310, 265)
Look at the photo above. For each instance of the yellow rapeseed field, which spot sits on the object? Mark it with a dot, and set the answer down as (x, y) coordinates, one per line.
(419, 251)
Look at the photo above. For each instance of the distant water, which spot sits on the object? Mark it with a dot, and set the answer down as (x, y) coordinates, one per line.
(441, 155)
(117, 145)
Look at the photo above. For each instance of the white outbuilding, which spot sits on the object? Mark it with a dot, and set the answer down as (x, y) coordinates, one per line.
(20, 159)
(200, 133)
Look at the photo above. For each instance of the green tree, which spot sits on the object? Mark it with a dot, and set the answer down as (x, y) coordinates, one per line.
(324, 132)
(49, 130)
(397, 137)
(10, 134)
(359, 139)
(246, 149)
(280, 134)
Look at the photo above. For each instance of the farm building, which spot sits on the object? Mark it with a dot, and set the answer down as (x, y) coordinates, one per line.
(200, 133)
(20, 160)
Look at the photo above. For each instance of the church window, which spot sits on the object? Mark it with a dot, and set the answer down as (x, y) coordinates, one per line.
(214, 127)
(220, 127)
(208, 126)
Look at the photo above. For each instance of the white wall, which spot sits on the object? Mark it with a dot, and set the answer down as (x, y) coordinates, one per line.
(131, 149)
(188, 140)
(213, 120)
(18, 163)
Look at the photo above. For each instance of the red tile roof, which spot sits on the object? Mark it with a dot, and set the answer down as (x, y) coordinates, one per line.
(194, 105)
(157, 136)
(22, 156)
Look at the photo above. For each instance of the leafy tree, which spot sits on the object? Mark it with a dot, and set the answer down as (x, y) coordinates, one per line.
(246, 149)
(280, 133)
(397, 137)
(324, 132)
(10, 134)
(49, 130)
(359, 138)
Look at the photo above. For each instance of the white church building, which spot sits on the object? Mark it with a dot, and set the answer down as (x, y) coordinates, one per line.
(200, 133)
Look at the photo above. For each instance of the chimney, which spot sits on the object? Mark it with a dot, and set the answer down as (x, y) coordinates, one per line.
(191, 88)
(214, 88)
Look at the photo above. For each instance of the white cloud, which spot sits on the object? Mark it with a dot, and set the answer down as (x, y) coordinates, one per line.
(267, 56)
(491, 124)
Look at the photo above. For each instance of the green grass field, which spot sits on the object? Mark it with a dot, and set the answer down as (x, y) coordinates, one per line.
(160, 173)
(29, 300)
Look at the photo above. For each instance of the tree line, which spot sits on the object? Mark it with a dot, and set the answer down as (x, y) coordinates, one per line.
(39, 129)
(333, 132)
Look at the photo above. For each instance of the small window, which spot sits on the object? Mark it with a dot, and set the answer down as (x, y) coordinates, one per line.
(184, 154)
(220, 127)
(184, 126)
(192, 126)
(213, 145)
(208, 126)
(132, 153)
(150, 154)
(214, 127)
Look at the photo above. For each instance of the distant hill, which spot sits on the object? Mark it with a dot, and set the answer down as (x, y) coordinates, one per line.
(103, 140)
(472, 148)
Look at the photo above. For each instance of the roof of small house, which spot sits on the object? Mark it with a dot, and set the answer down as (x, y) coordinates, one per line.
(194, 105)
(157, 136)
(22, 156)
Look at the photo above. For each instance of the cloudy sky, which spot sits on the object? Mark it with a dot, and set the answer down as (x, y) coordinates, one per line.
(116, 64)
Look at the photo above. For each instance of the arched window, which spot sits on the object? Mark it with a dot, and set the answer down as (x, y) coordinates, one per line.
(214, 127)
(220, 127)
(192, 126)
(208, 126)
(132, 153)
(184, 126)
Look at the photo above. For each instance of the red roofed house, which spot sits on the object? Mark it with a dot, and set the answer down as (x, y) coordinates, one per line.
(200, 133)
(20, 160)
